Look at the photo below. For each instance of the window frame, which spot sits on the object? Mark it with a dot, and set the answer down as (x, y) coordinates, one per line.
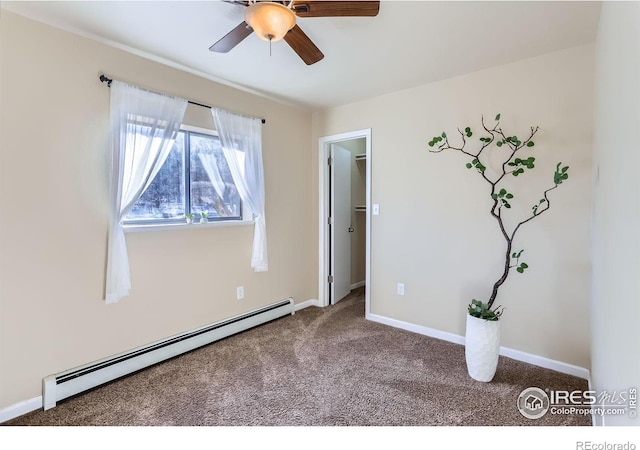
(245, 218)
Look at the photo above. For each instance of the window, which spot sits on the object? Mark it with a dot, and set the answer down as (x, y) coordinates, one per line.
(194, 178)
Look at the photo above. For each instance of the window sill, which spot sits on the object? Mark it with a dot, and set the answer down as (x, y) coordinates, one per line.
(184, 226)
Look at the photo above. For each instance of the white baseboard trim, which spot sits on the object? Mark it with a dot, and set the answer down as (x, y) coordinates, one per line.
(518, 355)
(357, 285)
(546, 363)
(312, 302)
(431, 332)
(20, 409)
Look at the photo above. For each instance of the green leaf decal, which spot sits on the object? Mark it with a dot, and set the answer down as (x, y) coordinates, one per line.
(497, 117)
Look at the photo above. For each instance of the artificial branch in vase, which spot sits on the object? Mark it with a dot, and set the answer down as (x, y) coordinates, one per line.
(515, 165)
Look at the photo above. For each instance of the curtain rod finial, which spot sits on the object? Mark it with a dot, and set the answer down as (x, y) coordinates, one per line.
(105, 79)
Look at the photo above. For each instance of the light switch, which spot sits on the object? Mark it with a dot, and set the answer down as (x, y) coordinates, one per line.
(376, 209)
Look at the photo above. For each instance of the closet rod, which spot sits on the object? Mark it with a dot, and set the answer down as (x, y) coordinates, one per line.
(107, 80)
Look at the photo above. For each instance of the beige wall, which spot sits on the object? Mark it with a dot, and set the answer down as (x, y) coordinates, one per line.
(53, 198)
(358, 219)
(434, 232)
(616, 235)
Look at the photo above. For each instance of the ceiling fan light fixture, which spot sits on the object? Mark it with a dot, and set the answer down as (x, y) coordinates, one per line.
(270, 21)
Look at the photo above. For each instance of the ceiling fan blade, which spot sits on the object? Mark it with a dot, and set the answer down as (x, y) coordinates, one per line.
(232, 38)
(322, 8)
(237, 2)
(303, 46)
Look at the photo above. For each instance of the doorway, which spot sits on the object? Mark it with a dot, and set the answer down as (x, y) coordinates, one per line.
(344, 218)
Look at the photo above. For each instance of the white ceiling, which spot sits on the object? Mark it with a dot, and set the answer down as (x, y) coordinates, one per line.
(408, 44)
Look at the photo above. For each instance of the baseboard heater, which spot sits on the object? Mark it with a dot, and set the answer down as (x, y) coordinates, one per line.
(71, 382)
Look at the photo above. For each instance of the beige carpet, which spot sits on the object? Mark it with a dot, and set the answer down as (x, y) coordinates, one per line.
(319, 367)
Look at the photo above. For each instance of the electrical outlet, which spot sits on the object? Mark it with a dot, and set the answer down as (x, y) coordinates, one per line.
(240, 292)
(400, 289)
(376, 209)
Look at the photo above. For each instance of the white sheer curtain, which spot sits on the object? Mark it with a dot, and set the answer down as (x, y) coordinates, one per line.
(144, 126)
(241, 139)
(210, 166)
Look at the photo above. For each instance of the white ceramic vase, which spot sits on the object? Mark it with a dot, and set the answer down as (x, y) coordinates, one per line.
(482, 347)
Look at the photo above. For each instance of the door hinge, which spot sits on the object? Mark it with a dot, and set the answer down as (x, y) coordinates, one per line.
(330, 278)
(330, 161)
(329, 220)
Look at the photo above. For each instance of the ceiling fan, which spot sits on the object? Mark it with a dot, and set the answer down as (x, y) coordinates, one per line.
(275, 20)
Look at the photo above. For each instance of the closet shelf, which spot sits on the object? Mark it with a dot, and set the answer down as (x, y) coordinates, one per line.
(360, 208)
(361, 157)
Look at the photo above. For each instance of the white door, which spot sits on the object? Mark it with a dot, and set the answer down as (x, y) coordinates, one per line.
(340, 247)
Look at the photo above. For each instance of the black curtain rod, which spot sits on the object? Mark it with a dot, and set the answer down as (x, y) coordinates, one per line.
(107, 80)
